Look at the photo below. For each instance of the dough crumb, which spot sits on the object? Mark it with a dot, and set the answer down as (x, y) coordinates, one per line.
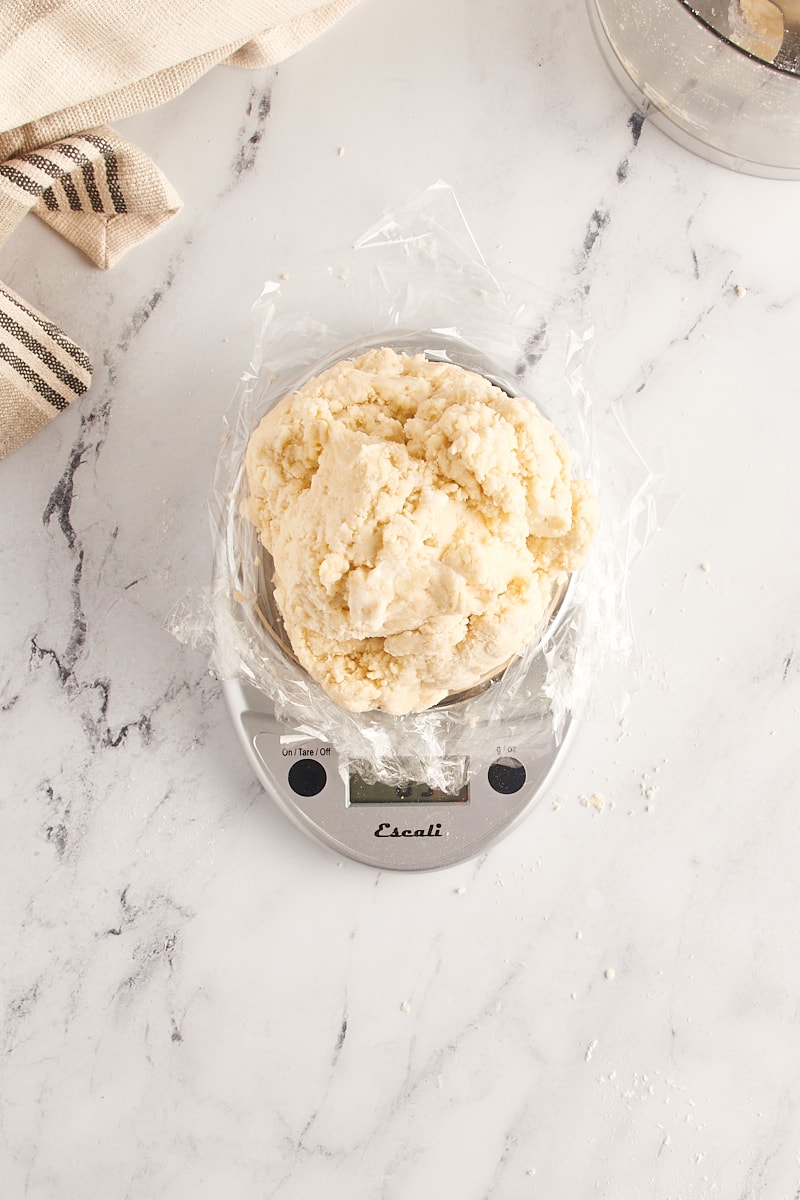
(740, 291)
(705, 566)
(460, 891)
(420, 520)
(610, 973)
(405, 1007)
(596, 801)
(340, 151)
(590, 1049)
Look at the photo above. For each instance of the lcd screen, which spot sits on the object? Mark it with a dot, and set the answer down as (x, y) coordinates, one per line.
(410, 792)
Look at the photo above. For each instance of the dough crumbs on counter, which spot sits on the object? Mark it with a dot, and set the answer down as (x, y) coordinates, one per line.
(405, 1007)
(705, 566)
(578, 935)
(590, 1049)
(610, 973)
(460, 891)
(740, 291)
(531, 1171)
(340, 151)
(559, 803)
(285, 276)
(573, 995)
(596, 801)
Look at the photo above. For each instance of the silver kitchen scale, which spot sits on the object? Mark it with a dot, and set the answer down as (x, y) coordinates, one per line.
(409, 826)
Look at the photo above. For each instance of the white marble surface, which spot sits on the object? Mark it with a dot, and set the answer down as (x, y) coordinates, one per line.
(196, 1001)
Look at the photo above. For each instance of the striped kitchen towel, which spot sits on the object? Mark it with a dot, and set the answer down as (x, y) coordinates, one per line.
(102, 193)
(66, 69)
(41, 371)
(96, 189)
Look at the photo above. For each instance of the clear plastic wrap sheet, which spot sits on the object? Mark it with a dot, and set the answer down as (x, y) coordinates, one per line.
(418, 281)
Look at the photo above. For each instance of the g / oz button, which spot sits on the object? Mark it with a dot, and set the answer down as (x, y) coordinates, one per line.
(506, 775)
(307, 777)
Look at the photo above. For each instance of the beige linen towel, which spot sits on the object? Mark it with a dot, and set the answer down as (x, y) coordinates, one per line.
(66, 69)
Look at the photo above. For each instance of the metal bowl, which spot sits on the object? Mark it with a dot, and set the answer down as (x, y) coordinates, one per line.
(680, 64)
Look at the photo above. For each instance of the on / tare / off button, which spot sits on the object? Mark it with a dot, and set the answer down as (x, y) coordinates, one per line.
(506, 775)
(307, 777)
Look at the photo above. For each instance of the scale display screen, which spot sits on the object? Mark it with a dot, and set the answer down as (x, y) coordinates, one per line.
(410, 792)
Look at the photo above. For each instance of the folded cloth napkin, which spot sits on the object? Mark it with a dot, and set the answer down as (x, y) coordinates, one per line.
(66, 69)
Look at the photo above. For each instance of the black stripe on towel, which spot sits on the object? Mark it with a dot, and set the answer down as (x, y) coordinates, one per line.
(71, 192)
(41, 352)
(80, 159)
(21, 180)
(29, 375)
(112, 169)
(44, 164)
(52, 330)
(90, 183)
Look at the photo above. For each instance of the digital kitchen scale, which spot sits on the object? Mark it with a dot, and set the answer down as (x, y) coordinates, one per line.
(409, 826)
(406, 827)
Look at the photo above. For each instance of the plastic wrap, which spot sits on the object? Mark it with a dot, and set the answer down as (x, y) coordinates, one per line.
(417, 282)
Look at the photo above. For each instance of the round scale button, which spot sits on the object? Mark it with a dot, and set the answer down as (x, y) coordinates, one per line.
(307, 777)
(506, 775)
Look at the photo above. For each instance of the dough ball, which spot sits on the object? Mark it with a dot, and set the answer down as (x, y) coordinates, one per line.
(418, 518)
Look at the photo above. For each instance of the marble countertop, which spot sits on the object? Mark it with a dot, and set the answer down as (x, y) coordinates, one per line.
(198, 1002)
